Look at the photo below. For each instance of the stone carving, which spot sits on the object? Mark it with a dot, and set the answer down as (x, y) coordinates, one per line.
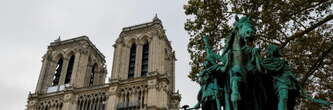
(68, 97)
(121, 93)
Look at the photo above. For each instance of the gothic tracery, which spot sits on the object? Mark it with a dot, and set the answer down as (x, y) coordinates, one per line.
(142, 78)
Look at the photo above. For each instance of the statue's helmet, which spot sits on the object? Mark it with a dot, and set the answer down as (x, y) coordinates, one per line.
(273, 51)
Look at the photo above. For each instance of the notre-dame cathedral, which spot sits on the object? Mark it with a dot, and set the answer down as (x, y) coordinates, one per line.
(73, 73)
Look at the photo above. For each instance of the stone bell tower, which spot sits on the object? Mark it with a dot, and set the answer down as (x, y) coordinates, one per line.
(143, 73)
(72, 63)
(144, 68)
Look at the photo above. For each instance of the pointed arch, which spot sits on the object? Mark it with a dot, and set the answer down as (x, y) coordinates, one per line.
(145, 58)
(57, 55)
(130, 42)
(132, 58)
(70, 68)
(57, 73)
(146, 38)
(92, 74)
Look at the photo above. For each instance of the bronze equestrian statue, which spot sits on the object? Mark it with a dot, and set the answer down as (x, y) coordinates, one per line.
(241, 79)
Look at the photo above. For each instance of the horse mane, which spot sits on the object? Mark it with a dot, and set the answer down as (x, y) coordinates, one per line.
(241, 21)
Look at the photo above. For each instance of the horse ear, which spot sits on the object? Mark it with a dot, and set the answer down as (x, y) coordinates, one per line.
(236, 18)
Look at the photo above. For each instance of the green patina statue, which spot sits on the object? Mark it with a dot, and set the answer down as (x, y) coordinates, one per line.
(242, 67)
(209, 97)
(225, 78)
(241, 79)
(284, 82)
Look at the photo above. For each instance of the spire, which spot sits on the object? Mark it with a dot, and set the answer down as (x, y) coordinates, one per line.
(156, 19)
(58, 40)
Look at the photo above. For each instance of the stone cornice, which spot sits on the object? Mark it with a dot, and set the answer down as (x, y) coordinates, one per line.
(74, 40)
(71, 90)
(143, 25)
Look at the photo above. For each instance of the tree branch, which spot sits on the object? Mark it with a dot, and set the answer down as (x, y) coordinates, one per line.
(275, 43)
(307, 8)
(298, 22)
(284, 34)
(230, 12)
(307, 30)
(317, 64)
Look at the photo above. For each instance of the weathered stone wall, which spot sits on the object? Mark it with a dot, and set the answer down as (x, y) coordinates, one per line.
(155, 91)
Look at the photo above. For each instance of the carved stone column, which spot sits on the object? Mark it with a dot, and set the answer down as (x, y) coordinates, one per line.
(116, 61)
(152, 55)
(152, 96)
(125, 62)
(64, 70)
(43, 73)
(112, 99)
(145, 101)
(164, 89)
(80, 68)
(69, 102)
(161, 57)
(138, 59)
(49, 75)
(117, 58)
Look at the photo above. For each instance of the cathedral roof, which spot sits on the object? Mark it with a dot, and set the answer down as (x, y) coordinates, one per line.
(156, 20)
(76, 39)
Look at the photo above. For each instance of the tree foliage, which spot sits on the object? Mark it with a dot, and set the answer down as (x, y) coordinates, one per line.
(302, 28)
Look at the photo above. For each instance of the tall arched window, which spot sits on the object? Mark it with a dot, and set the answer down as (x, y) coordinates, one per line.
(57, 72)
(69, 69)
(132, 61)
(145, 56)
(92, 75)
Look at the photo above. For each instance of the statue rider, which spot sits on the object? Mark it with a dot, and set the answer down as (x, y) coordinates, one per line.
(210, 94)
(284, 82)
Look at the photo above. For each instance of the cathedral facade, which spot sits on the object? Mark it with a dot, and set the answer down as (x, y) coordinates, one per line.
(73, 73)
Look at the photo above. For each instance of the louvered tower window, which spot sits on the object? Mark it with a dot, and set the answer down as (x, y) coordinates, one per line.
(92, 75)
(69, 69)
(57, 72)
(145, 56)
(132, 61)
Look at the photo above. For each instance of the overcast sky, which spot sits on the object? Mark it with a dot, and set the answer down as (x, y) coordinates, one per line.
(28, 26)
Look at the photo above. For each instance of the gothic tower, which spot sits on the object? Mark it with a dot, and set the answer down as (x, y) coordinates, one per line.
(73, 73)
(144, 68)
(67, 66)
(71, 63)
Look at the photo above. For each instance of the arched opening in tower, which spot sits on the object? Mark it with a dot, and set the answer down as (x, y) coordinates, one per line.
(131, 67)
(69, 69)
(57, 72)
(145, 57)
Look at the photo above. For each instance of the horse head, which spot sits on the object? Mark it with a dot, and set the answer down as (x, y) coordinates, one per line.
(244, 28)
